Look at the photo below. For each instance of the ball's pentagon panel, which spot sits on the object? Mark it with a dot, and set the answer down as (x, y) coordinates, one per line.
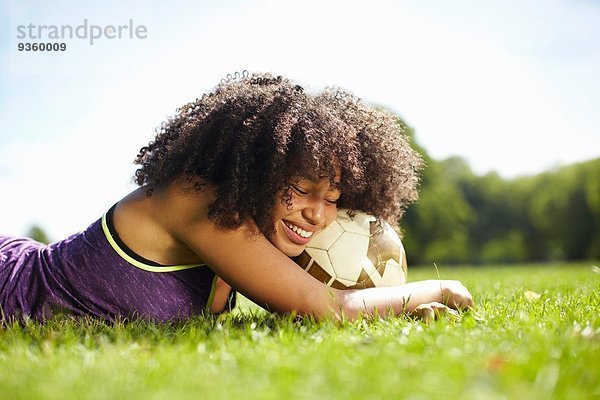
(326, 238)
(350, 251)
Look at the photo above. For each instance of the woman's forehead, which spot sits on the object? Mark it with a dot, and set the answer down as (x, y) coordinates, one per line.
(323, 170)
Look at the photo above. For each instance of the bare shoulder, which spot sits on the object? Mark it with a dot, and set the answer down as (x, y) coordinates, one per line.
(182, 213)
(151, 225)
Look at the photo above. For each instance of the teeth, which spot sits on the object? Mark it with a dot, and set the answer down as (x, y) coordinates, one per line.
(299, 231)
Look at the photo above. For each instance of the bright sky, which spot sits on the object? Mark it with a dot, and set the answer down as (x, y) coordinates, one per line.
(512, 87)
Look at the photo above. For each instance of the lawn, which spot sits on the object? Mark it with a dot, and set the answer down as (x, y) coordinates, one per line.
(534, 334)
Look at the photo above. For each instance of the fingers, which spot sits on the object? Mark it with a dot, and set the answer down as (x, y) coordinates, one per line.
(455, 295)
(424, 312)
(432, 311)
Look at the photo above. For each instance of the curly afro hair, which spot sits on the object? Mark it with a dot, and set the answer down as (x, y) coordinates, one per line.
(254, 133)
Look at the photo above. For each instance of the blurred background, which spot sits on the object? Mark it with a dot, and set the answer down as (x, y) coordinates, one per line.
(501, 98)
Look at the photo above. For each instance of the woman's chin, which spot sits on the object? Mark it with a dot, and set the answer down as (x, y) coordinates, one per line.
(295, 253)
(287, 247)
(291, 250)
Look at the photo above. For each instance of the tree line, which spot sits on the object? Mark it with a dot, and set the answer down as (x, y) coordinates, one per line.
(465, 218)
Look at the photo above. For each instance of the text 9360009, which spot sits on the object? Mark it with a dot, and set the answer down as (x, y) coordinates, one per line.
(26, 46)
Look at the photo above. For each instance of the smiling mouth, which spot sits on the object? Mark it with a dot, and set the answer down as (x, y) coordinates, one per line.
(298, 230)
(297, 234)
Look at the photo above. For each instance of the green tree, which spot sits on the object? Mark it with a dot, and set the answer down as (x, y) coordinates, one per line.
(462, 217)
(436, 228)
(565, 210)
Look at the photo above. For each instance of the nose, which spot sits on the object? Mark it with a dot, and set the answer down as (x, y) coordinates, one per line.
(314, 212)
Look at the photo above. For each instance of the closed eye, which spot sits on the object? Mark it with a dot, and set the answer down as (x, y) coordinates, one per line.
(299, 190)
(332, 198)
(332, 201)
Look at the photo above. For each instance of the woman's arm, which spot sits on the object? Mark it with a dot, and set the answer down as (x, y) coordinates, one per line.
(252, 265)
(248, 262)
(405, 298)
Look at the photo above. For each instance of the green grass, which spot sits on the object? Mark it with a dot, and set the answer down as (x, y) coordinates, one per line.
(508, 348)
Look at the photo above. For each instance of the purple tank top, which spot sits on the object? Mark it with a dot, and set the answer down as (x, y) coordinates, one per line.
(93, 273)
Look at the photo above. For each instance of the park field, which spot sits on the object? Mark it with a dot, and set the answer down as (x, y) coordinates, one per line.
(534, 334)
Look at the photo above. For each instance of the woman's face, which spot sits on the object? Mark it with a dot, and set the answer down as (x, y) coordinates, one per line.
(313, 207)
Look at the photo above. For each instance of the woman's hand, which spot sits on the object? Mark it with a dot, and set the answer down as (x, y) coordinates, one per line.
(455, 295)
(431, 311)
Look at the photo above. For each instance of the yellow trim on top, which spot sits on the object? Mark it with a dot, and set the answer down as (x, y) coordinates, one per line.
(139, 264)
(211, 296)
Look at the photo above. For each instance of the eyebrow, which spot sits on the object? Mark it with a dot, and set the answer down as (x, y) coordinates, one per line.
(332, 185)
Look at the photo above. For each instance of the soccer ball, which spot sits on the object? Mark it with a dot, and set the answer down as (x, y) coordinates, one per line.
(355, 253)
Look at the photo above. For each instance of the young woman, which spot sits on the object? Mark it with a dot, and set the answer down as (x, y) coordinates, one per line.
(233, 186)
